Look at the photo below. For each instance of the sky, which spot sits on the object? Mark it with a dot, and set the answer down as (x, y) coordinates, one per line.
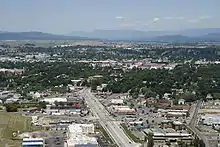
(65, 16)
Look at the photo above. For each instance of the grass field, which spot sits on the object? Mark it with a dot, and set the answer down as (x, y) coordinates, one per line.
(9, 123)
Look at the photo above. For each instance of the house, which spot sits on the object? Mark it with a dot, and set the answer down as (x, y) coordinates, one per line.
(217, 102)
(163, 104)
(150, 100)
(181, 102)
(36, 95)
(167, 96)
(11, 100)
(117, 101)
(209, 97)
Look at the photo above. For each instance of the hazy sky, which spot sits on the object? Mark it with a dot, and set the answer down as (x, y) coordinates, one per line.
(64, 16)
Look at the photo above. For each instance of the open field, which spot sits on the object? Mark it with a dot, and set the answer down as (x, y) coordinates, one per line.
(9, 123)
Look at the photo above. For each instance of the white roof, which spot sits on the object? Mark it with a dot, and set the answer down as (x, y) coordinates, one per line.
(32, 139)
(52, 100)
(117, 101)
(176, 113)
(177, 123)
(32, 143)
(81, 139)
(77, 128)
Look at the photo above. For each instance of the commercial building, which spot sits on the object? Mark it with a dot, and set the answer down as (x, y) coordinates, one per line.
(33, 142)
(177, 125)
(211, 120)
(122, 109)
(117, 101)
(82, 141)
(78, 135)
(82, 128)
(161, 136)
(53, 100)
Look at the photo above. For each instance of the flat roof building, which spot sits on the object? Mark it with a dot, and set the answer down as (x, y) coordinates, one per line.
(165, 135)
(77, 135)
(53, 100)
(33, 142)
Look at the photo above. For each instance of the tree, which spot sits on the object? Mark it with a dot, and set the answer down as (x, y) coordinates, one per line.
(150, 142)
(131, 105)
(152, 121)
(11, 107)
(42, 105)
(147, 121)
(189, 97)
(84, 83)
(199, 143)
(168, 143)
(216, 95)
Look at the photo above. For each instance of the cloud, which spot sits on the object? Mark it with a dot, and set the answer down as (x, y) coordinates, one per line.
(194, 20)
(199, 19)
(119, 17)
(173, 18)
(168, 18)
(180, 18)
(127, 25)
(205, 17)
(156, 19)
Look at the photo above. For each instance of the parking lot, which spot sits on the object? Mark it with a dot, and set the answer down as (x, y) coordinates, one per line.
(57, 141)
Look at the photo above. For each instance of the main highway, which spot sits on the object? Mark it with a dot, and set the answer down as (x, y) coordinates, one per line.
(112, 127)
(193, 121)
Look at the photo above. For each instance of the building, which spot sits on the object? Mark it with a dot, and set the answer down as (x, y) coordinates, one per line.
(217, 102)
(5, 94)
(53, 100)
(33, 142)
(82, 141)
(122, 109)
(211, 120)
(176, 125)
(161, 136)
(181, 102)
(117, 101)
(12, 71)
(11, 100)
(82, 128)
(78, 136)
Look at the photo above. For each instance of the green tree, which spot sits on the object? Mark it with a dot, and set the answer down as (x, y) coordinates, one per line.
(11, 107)
(150, 142)
(42, 105)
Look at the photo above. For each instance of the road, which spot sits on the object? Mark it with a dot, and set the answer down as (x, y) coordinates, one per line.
(107, 121)
(193, 121)
(195, 114)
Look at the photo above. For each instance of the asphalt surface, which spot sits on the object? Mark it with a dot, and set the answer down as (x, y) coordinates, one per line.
(192, 124)
(108, 123)
(54, 142)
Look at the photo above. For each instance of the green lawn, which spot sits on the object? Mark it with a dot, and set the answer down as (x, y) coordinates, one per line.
(9, 123)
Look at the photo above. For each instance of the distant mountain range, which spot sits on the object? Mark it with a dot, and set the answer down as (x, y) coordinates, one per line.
(190, 35)
(204, 34)
(36, 36)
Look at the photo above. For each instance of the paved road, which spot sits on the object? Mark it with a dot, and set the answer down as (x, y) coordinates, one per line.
(195, 114)
(193, 121)
(108, 123)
